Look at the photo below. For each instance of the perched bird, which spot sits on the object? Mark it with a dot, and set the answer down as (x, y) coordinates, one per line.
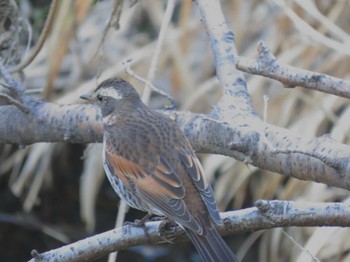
(152, 166)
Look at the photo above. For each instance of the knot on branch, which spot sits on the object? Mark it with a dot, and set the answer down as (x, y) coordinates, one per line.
(266, 58)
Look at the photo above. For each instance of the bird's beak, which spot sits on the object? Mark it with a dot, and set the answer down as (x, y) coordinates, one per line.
(87, 96)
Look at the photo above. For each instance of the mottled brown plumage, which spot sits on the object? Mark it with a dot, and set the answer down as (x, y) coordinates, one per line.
(152, 166)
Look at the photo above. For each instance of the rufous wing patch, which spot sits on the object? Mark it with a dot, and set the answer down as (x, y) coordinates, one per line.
(162, 180)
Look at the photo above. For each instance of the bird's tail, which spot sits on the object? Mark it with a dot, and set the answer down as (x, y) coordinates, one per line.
(211, 247)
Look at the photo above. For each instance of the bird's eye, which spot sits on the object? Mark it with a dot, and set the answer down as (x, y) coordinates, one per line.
(99, 98)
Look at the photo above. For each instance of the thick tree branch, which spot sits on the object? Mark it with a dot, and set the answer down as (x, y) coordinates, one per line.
(280, 150)
(223, 47)
(48, 122)
(267, 65)
(267, 215)
(235, 131)
(315, 159)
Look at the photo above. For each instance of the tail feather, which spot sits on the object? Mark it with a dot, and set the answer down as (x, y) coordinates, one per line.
(211, 247)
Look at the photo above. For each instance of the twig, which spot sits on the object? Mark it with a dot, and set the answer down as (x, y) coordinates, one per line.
(162, 34)
(10, 82)
(302, 249)
(29, 222)
(112, 22)
(130, 72)
(15, 87)
(13, 101)
(41, 41)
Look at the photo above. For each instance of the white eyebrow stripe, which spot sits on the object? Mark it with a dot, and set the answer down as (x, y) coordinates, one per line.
(111, 92)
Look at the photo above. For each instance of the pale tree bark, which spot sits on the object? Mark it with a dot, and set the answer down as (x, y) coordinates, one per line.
(266, 215)
(233, 129)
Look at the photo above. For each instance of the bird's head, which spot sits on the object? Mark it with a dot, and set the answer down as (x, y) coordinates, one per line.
(114, 94)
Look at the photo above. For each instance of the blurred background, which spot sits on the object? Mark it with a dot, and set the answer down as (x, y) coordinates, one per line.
(54, 194)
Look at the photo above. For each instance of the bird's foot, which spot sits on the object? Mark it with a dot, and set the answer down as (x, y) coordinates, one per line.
(168, 230)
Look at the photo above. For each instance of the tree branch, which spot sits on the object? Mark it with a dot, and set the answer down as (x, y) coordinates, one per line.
(267, 65)
(260, 140)
(315, 159)
(266, 215)
(49, 122)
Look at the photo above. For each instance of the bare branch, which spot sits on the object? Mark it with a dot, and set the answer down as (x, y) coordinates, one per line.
(15, 89)
(267, 215)
(146, 95)
(48, 122)
(267, 65)
(223, 47)
(13, 101)
(149, 85)
(10, 82)
(316, 159)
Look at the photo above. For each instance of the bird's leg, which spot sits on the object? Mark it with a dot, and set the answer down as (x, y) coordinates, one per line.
(139, 222)
(143, 220)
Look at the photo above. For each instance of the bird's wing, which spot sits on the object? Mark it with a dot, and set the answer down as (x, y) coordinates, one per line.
(161, 187)
(194, 169)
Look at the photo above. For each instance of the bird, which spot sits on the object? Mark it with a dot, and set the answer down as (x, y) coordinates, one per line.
(152, 166)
